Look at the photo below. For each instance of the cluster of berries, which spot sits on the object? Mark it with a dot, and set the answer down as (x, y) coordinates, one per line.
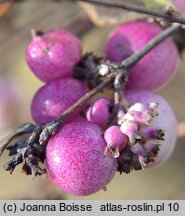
(103, 137)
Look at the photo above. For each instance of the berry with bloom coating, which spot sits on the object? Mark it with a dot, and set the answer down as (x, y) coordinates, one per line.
(53, 99)
(157, 67)
(130, 129)
(165, 120)
(115, 139)
(141, 113)
(75, 159)
(99, 112)
(54, 54)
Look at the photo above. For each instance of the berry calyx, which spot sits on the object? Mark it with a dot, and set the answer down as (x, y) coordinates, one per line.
(161, 132)
(53, 55)
(115, 139)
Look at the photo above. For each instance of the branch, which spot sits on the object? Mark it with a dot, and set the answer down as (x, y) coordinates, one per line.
(170, 15)
(130, 61)
(124, 66)
(32, 150)
(50, 129)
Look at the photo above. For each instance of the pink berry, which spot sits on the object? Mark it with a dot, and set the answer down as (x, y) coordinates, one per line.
(139, 117)
(115, 139)
(165, 120)
(130, 129)
(53, 55)
(75, 159)
(141, 114)
(99, 112)
(157, 67)
(54, 98)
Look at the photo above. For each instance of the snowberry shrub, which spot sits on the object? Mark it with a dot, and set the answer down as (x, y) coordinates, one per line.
(54, 98)
(157, 67)
(75, 159)
(165, 120)
(54, 54)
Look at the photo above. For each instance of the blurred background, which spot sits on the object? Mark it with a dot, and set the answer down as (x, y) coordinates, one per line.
(18, 84)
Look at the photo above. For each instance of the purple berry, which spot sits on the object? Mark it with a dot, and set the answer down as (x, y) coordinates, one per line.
(54, 54)
(75, 159)
(115, 139)
(141, 114)
(130, 129)
(99, 112)
(157, 67)
(54, 98)
(165, 120)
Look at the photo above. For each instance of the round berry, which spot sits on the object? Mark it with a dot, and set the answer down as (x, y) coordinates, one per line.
(54, 98)
(115, 138)
(165, 120)
(157, 67)
(99, 111)
(53, 55)
(75, 159)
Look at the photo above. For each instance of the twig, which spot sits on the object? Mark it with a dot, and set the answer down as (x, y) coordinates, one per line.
(31, 151)
(172, 16)
(124, 66)
(51, 128)
(130, 61)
